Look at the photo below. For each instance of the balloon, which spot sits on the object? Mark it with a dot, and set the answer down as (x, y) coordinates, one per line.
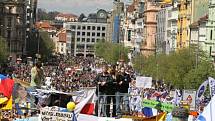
(167, 1)
(71, 106)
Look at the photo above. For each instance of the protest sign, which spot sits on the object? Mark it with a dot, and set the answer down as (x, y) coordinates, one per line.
(158, 105)
(190, 96)
(55, 116)
(143, 82)
(113, 119)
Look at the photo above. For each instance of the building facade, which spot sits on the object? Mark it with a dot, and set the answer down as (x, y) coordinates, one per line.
(167, 18)
(60, 40)
(16, 19)
(184, 20)
(12, 25)
(172, 27)
(161, 32)
(150, 23)
(66, 17)
(210, 37)
(82, 36)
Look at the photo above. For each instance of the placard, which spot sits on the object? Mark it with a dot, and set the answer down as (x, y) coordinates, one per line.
(190, 96)
(55, 116)
(113, 119)
(143, 82)
(158, 105)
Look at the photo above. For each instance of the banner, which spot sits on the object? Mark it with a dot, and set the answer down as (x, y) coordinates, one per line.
(143, 82)
(190, 96)
(158, 105)
(113, 119)
(46, 115)
(202, 89)
(212, 86)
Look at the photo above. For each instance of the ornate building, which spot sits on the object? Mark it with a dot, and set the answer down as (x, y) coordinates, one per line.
(184, 20)
(15, 17)
(150, 24)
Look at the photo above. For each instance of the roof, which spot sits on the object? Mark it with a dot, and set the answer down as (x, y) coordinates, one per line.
(44, 25)
(196, 24)
(67, 15)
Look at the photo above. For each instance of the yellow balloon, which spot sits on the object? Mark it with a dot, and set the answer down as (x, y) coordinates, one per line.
(167, 1)
(70, 106)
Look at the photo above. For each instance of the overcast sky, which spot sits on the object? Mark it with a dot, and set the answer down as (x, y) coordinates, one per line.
(75, 6)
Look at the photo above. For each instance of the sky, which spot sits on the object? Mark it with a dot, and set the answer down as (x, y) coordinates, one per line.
(75, 6)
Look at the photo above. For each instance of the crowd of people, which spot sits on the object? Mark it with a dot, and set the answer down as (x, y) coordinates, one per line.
(115, 84)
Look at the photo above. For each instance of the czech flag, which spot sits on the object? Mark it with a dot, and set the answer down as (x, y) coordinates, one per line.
(6, 86)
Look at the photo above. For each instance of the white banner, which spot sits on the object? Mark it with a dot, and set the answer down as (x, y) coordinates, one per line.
(113, 119)
(212, 86)
(190, 96)
(46, 115)
(143, 82)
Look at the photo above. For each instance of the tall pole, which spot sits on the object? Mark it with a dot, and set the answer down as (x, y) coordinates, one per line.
(197, 52)
(38, 43)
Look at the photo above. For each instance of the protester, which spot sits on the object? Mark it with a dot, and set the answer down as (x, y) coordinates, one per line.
(123, 79)
(103, 80)
(37, 76)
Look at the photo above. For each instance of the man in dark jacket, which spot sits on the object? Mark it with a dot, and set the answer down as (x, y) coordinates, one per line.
(123, 79)
(103, 81)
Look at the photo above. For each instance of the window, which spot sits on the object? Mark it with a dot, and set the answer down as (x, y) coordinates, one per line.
(103, 28)
(93, 28)
(93, 34)
(9, 21)
(98, 34)
(83, 27)
(73, 27)
(88, 33)
(79, 27)
(88, 39)
(83, 40)
(98, 28)
(8, 34)
(93, 39)
(78, 39)
(78, 33)
(83, 33)
(211, 36)
(88, 27)
(103, 34)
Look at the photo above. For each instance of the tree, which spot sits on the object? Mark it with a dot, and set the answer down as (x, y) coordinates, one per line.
(111, 52)
(178, 68)
(46, 45)
(43, 15)
(40, 42)
(3, 50)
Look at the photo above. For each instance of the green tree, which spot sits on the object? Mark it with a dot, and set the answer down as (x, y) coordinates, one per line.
(178, 68)
(40, 41)
(3, 50)
(46, 45)
(111, 52)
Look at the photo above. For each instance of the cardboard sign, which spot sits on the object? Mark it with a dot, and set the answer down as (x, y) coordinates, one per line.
(143, 82)
(55, 116)
(190, 97)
